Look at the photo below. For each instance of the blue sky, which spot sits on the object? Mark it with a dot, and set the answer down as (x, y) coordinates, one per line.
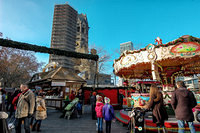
(111, 22)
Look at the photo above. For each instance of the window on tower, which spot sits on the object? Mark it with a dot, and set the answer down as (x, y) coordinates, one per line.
(83, 30)
(78, 29)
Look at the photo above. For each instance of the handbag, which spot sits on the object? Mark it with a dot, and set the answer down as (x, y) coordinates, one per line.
(40, 108)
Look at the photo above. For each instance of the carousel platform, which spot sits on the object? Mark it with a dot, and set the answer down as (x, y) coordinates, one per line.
(171, 124)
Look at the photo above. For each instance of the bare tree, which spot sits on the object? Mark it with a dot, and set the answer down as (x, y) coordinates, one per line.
(104, 58)
(16, 66)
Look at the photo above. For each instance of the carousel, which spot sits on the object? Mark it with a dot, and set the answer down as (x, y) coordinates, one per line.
(162, 63)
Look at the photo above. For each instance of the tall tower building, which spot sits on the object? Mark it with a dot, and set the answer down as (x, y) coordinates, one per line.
(126, 46)
(64, 33)
(82, 34)
(81, 65)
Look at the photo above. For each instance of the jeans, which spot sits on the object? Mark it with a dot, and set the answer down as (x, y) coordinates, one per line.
(38, 122)
(18, 123)
(100, 124)
(108, 126)
(181, 126)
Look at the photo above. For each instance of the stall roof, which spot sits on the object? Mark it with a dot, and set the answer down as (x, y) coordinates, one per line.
(58, 74)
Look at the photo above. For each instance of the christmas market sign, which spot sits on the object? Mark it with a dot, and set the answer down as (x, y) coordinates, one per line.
(58, 83)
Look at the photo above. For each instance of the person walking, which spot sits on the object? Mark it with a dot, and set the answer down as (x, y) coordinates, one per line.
(159, 112)
(25, 108)
(93, 105)
(182, 102)
(98, 109)
(41, 113)
(108, 114)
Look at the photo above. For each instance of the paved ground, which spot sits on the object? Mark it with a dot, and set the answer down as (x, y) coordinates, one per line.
(54, 124)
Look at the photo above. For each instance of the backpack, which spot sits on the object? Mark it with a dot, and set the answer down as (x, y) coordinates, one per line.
(79, 106)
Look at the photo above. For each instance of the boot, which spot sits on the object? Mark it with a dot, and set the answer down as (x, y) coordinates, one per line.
(34, 126)
(38, 128)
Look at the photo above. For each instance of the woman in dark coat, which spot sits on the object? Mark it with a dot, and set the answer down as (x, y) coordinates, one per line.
(157, 105)
(3, 115)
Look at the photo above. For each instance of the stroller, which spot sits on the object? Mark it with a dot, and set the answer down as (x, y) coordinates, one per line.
(11, 123)
(137, 120)
(71, 108)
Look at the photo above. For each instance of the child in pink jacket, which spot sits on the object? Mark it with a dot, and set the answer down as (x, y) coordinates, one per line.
(98, 109)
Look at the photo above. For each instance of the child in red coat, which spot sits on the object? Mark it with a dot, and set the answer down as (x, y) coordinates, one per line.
(98, 109)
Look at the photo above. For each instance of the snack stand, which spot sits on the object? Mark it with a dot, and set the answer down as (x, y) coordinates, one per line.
(57, 85)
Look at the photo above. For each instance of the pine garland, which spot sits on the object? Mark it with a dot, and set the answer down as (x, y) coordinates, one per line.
(42, 49)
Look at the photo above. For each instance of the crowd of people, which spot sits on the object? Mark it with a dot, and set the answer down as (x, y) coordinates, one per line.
(26, 107)
(29, 108)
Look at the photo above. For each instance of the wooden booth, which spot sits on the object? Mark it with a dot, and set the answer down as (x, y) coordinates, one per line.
(57, 85)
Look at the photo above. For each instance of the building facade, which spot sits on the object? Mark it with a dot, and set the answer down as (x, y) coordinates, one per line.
(64, 33)
(126, 46)
(82, 34)
(81, 65)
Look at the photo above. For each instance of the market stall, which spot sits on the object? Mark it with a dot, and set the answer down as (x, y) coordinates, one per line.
(57, 84)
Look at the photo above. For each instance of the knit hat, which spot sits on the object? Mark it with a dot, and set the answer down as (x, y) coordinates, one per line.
(107, 100)
(94, 93)
(97, 96)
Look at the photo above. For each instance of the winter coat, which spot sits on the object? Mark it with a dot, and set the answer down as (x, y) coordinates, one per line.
(3, 121)
(15, 100)
(93, 102)
(25, 105)
(98, 109)
(182, 102)
(72, 96)
(40, 115)
(108, 112)
(159, 112)
(80, 97)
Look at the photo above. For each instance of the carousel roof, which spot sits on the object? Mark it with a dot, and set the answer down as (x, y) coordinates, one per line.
(178, 57)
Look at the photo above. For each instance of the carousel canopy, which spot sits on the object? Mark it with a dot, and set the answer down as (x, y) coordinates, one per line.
(175, 58)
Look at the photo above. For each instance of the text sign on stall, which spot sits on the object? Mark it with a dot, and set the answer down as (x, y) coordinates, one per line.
(58, 84)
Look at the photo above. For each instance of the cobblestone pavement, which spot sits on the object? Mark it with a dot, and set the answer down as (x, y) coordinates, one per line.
(54, 124)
